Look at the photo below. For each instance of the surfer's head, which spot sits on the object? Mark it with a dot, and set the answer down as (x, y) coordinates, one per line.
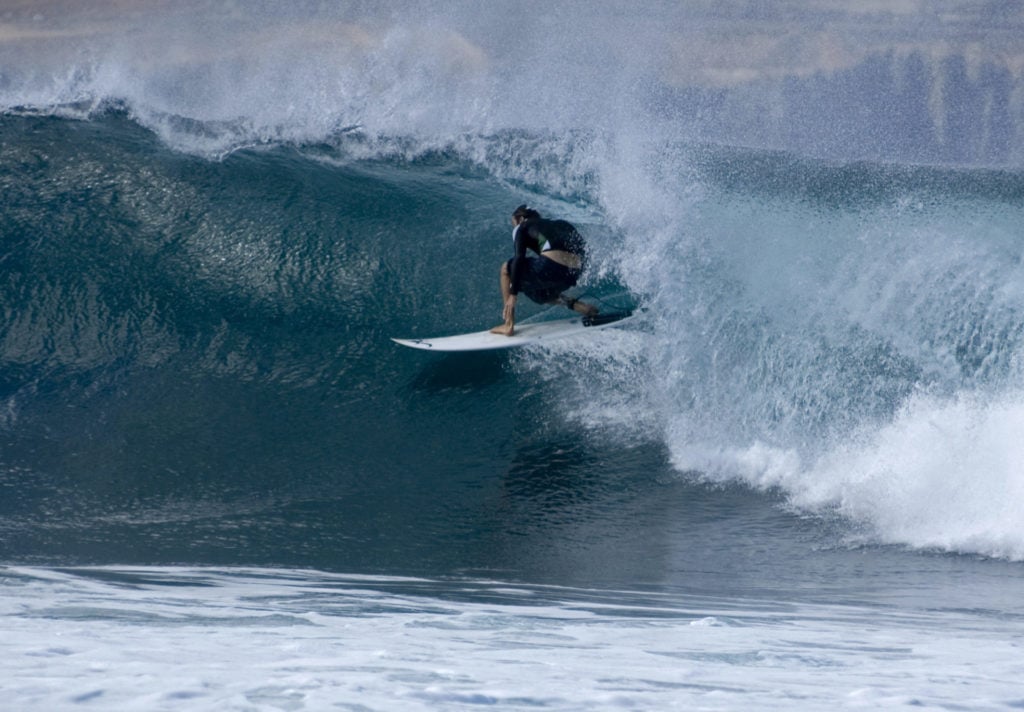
(524, 212)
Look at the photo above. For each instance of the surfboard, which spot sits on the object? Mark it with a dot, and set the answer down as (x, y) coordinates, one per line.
(525, 334)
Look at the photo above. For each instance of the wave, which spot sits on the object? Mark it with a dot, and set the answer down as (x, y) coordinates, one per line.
(843, 332)
(796, 338)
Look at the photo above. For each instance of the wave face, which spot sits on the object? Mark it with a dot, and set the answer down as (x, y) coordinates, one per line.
(206, 249)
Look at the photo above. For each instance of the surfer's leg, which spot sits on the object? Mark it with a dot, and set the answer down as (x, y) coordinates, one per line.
(505, 280)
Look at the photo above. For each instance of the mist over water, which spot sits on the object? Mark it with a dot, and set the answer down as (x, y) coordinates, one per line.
(906, 81)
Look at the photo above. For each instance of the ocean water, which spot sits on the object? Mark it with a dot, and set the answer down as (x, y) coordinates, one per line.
(794, 482)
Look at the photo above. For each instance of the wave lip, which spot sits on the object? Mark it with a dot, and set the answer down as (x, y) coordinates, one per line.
(905, 85)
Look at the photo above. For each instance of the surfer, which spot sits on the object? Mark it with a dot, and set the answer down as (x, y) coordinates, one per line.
(557, 266)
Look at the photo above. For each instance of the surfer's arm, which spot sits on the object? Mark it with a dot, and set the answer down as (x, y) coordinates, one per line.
(522, 242)
(509, 312)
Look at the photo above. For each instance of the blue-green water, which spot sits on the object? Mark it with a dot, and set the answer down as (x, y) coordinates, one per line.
(197, 366)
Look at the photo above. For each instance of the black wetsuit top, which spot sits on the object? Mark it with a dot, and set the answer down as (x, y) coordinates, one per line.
(541, 235)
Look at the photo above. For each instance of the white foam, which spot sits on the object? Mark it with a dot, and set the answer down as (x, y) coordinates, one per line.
(861, 360)
(944, 474)
(240, 640)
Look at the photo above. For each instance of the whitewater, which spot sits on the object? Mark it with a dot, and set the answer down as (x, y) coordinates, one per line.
(794, 482)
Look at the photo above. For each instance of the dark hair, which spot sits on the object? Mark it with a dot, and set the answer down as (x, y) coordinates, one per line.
(526, 212)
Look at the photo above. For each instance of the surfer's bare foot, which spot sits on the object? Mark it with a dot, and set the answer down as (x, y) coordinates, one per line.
(583, 308)
(588, 310)
(504, 329)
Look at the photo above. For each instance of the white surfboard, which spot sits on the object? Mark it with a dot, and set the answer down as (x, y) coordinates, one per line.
(525, 334)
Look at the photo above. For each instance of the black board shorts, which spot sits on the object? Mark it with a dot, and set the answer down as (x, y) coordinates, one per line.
(543, 279)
